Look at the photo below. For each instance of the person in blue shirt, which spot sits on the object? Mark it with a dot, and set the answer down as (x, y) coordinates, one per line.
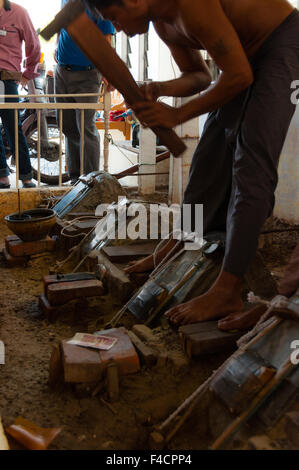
(74, 74)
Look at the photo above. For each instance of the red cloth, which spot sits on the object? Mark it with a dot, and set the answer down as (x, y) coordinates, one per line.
(290, 281)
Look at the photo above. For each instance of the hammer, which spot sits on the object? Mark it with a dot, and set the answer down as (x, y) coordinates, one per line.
(96, 48)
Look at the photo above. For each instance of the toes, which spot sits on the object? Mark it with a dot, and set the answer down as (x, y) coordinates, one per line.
(170, 313)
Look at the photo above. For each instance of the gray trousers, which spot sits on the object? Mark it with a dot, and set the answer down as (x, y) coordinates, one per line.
(234, 168)
(75, 82)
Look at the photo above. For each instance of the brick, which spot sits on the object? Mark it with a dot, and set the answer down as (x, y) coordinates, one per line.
(61, 293)
(115, 280)
(13, 262)
(81, 365)
(9, 239)
(261, 443)
(147, 356)
(123, 352)
(59, 278)
(292, 428)
(18, 248)
(205, 338)
(85, 365)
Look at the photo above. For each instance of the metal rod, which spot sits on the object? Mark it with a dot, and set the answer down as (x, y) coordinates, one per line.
(107, 107)
(23, 105)
(60, 145)
(38, 145)
(146, 174)
(82, 135)
(19, 203)
(79, 95)
(17, 147)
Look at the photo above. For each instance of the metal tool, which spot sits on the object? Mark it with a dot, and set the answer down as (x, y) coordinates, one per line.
(96, 48)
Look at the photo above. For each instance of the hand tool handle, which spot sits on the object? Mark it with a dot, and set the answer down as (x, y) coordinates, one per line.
(94, 45)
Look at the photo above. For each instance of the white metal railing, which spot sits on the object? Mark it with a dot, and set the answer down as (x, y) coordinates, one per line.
(39, 106)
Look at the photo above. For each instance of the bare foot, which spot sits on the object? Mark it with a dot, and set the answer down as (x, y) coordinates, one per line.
(242, 320)
(223, 298)
(147, 264)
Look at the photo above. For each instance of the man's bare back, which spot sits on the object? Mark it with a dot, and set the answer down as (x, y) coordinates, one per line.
(253, 21)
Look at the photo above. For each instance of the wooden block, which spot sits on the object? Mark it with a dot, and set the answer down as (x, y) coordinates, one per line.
(80, 364)
(206, 338)
(123, 352)
(58, 278)
(292, 428)
(147, 356)
(115, 280)
(124, 254)
(83, 365)
(63, 292)
(19, 249)
(12, 261)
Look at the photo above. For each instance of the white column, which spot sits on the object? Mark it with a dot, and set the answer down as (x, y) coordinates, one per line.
(141, 57)
(179, 168)
(147, 161)
(123, 46)
(107, 107)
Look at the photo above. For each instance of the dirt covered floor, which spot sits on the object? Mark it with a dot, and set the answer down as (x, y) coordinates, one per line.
(146, 398)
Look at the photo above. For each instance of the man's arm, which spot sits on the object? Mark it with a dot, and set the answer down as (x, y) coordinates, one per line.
(207, 22)
(195, 73)
(32, 48)
(223, 44)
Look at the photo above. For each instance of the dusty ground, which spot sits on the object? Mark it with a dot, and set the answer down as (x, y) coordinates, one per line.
(146, 398)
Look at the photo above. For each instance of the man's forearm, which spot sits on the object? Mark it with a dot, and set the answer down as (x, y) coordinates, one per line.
(188, 84)
(225, 89)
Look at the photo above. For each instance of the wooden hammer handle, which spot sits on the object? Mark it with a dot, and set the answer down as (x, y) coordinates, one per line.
(94, 45)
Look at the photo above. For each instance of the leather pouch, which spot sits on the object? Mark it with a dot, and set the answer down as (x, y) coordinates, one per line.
(7, 75)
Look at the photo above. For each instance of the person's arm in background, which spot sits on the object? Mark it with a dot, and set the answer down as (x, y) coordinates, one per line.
(32, 49)
(56, 47)
(108, 30)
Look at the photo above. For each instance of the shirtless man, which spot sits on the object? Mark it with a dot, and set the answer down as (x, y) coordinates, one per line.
(255, 43)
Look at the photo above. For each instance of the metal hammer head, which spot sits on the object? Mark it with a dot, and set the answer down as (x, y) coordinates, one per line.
(67, 15)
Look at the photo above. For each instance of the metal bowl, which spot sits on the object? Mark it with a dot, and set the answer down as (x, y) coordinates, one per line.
(31, 225)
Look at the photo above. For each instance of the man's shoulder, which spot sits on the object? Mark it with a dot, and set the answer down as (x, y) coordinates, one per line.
(18, 9)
